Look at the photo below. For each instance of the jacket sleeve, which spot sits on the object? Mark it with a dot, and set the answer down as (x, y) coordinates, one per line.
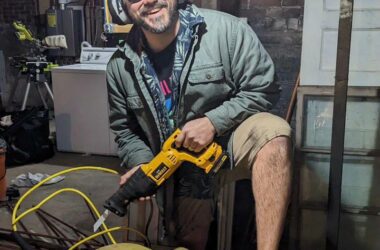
(131, 147)
(252, 72)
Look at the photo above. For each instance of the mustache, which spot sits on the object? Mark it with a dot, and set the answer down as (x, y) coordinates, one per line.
(145, 10)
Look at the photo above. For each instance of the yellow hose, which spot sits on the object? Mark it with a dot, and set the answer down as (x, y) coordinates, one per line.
(106, 231)
(85, 197)
(14, 214)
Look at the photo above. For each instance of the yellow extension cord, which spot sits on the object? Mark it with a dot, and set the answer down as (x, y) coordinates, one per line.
(107, 231)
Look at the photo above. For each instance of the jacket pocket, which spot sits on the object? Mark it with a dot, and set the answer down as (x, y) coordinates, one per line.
(134, 102)
(206, 89)
(206, 74)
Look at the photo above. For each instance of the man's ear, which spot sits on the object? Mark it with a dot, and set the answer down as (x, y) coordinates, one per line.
(118, 12)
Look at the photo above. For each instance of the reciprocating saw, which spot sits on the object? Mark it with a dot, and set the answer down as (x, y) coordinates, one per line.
(146, 180)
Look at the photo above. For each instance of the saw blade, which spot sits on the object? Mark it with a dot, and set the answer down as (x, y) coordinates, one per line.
(101, 220)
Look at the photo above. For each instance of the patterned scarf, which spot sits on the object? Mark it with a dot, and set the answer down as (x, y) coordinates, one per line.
(188, 20)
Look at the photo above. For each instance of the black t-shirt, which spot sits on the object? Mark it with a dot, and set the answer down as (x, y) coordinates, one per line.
(163, 62)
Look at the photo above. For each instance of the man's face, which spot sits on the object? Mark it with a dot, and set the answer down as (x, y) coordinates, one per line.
(155, 16)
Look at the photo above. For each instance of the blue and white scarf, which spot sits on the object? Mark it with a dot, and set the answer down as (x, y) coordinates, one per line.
(188, 20)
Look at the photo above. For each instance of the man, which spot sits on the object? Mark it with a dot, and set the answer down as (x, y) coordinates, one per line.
(207, 73)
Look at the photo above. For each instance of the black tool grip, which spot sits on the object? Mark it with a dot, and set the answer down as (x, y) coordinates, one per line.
(138, 185)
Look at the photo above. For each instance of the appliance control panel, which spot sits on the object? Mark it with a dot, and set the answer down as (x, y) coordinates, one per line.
(95, 55)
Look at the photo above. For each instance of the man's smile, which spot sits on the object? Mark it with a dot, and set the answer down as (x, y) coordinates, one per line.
(154, 16)
(154, 12)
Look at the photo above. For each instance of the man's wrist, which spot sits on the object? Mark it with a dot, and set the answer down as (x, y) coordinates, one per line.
(212, 126)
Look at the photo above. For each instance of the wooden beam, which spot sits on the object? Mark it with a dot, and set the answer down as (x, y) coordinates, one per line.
(339, 123)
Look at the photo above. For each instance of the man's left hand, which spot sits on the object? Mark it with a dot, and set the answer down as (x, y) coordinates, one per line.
(196, 134)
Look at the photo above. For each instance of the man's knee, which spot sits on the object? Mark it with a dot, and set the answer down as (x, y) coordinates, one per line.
(280, 146)
(260, 133)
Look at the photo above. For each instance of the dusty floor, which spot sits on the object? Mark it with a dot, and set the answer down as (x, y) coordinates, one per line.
(68, 206)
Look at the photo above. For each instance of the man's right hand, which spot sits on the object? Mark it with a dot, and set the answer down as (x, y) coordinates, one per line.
(124, 178)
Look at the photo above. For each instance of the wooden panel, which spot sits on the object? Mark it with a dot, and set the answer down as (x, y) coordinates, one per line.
(359, 186)
(320, 42)
(357, 231)
(314, 118)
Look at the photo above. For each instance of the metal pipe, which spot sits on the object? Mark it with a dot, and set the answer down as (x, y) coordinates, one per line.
(80, 233)
(47, 236)
(39, 244)
(339, 123)
(53, 228)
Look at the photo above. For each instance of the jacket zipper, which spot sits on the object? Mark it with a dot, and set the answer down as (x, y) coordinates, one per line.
(183, 76)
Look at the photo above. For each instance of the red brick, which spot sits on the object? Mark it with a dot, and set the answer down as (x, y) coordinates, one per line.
(266, 2)
(293, 3)
(292, 12)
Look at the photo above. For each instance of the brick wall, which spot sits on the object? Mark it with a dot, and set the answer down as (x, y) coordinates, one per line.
(15, 10)
(278, 24)
(22, 10)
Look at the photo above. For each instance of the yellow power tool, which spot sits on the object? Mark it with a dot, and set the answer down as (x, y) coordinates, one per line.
(23, 33)
(146, 180)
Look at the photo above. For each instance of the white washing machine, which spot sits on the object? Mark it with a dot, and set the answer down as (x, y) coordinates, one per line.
(81, 104)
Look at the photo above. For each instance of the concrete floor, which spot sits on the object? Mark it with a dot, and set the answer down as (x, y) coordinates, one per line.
(68, 206)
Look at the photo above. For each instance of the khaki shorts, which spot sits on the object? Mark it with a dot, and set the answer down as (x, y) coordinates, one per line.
(193, 216)
(248, 138)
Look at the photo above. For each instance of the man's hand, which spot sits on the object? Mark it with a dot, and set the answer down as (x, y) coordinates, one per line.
(124, 178)
(128, 174)
(196, 134)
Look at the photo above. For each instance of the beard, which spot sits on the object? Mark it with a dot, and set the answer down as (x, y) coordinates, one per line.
(158, 24)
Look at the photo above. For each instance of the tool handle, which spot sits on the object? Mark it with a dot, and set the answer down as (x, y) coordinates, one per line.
(138, 185)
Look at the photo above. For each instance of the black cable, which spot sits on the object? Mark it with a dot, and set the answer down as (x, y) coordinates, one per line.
(94, 21)
(149, 219)
(97, 28)
(90, 20)
(85, 19)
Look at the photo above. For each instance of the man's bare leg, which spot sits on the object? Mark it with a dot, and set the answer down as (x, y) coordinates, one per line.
(271, 184)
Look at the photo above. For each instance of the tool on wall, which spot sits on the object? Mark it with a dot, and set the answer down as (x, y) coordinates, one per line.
(34, 65)
(49, 42)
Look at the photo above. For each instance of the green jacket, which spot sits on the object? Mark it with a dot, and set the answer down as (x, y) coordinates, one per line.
(228, 76)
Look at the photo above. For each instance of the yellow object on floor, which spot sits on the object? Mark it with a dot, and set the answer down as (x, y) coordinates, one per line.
(122, 246)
